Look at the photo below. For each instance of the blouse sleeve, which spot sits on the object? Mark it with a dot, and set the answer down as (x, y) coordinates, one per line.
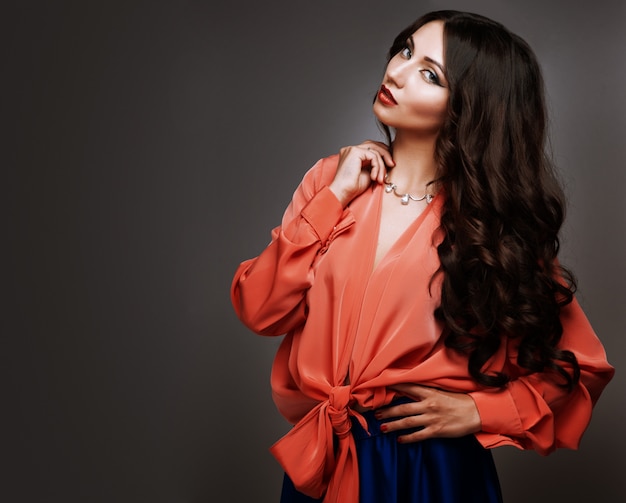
(268, 292)
(534, 412)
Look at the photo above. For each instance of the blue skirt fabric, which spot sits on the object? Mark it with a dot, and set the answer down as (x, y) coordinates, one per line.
(439, 470)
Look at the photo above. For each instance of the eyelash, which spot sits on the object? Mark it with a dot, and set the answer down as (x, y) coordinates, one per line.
(429, 76)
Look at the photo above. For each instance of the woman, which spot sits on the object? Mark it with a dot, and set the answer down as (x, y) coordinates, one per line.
(427, 319)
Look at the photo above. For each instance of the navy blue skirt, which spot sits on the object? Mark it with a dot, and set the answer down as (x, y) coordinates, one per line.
(438, 470)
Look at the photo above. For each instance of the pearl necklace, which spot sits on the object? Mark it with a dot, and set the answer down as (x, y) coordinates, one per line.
(405, 198)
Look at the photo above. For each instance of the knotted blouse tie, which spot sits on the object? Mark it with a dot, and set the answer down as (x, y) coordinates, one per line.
(319, 452)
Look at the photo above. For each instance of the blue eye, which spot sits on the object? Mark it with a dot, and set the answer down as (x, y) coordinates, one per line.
(406, 53)
(430, 76)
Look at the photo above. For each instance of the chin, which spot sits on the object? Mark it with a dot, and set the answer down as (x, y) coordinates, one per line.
(380, 114)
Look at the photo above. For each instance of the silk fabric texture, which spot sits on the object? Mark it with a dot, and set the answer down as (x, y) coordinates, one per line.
(352, 331)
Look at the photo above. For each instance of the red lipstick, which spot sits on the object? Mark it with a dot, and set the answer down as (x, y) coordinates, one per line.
(385, 96)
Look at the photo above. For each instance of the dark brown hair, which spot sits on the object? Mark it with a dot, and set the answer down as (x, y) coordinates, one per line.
(504, 206)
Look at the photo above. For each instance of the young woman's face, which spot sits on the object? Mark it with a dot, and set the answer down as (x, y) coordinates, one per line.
(414, 93)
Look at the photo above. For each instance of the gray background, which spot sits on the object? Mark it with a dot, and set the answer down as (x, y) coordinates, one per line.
(150, 147)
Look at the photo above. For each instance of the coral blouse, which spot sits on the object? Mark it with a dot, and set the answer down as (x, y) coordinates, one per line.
(345, 321)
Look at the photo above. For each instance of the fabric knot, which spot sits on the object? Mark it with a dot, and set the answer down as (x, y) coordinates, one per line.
(338, 401)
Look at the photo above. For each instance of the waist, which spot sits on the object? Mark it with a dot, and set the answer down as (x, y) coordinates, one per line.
(373, 424)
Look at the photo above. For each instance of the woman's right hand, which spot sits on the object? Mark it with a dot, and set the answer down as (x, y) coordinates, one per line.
(359, 165)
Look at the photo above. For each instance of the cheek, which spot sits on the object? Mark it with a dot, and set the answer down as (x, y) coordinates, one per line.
(430, 107)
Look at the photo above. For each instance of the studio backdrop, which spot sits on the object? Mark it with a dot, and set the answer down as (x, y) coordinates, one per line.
(150, 147)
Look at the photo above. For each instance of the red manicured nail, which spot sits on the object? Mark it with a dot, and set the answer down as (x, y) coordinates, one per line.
(384, 427)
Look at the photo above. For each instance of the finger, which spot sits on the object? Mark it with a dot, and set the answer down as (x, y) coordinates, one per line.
(405, 423)
(378, 145)
(381, 172)
(375, 169)
(371, 160)
(402, 410)
(378, 176)
(379, 167)
(416, 436)
(383, 150)
(414, 391)
(371, 147)
(387, 158)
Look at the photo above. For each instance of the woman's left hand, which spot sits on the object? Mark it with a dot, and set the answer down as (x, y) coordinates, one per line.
(438, 413)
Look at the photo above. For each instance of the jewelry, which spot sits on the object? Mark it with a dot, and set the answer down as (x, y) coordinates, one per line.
(405, 198)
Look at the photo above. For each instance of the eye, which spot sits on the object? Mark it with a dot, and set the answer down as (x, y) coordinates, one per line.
(406, 52)
(430, 76)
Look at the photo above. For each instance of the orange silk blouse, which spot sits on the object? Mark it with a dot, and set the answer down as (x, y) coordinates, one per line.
(346, 322)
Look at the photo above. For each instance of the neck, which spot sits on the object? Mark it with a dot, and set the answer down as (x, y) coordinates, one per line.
(415, 162)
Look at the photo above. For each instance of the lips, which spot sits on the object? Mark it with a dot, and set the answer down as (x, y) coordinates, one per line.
(385, 96)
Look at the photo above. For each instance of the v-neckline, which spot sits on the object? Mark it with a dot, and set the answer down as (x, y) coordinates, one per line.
(402, 240)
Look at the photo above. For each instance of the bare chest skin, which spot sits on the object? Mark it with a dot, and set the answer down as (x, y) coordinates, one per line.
(394, 220)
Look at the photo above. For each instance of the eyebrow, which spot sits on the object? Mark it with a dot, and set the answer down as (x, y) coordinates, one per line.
(436, 63)
(411, 45)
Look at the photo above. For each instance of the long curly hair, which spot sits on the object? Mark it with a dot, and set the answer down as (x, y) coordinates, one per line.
(504, 206)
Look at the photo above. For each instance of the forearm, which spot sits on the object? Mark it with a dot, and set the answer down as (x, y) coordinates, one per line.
(268, 292)
(535, 412)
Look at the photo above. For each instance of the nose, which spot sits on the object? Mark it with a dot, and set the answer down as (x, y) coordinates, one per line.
(396, 71)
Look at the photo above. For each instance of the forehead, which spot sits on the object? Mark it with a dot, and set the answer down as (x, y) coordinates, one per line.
(428, 40)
